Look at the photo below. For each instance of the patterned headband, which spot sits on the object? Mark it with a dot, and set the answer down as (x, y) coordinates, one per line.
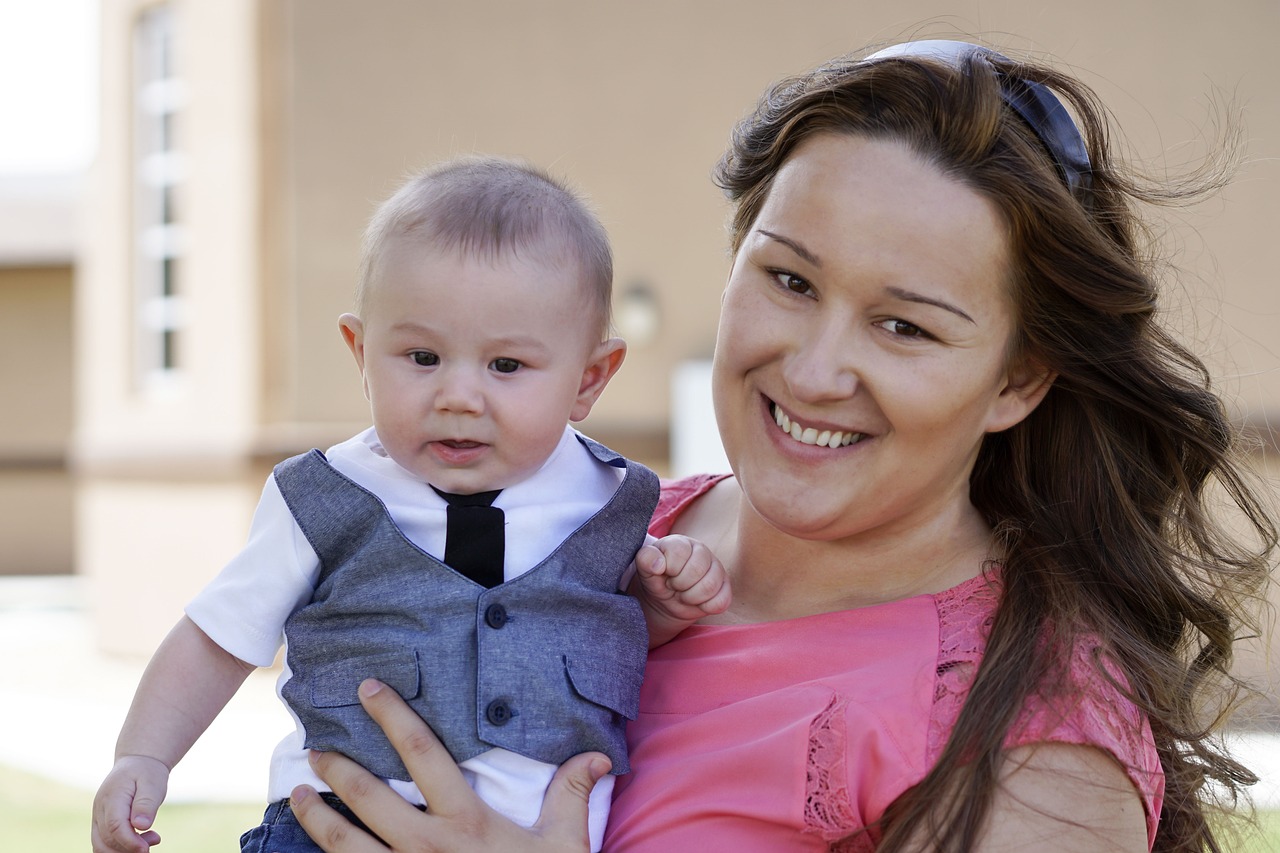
(1033, 102)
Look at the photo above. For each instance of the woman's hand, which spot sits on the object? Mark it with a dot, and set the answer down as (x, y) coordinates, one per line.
(457, 820)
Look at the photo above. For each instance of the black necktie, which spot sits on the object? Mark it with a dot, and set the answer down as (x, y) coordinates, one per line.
(474, 539)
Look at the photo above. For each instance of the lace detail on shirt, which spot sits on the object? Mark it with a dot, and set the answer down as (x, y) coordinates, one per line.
(827, 810)
(1092, 710)
(965, 614)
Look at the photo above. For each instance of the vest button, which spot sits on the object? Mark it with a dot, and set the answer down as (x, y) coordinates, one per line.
(499, 713)
(495, 616)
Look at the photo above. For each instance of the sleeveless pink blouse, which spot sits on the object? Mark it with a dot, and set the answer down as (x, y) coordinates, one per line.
(795, 735)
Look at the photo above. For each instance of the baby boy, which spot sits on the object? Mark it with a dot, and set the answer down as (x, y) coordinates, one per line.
(471, 549)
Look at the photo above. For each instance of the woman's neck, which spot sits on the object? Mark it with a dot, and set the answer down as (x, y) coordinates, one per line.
(778, 576)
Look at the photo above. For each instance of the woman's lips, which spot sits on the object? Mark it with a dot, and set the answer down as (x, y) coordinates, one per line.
(820, 436)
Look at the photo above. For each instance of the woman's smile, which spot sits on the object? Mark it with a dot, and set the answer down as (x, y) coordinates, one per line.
(821, 436)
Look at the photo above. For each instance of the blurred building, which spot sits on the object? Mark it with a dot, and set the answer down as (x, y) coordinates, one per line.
(37, 252)
(245, 142)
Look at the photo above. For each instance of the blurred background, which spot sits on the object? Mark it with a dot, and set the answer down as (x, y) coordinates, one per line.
(183, 185)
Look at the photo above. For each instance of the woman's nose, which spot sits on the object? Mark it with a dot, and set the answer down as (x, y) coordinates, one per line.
(823, 367)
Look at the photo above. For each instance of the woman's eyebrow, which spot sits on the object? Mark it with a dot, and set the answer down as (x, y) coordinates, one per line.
(800, 250)
(912, 296)
(896, 292)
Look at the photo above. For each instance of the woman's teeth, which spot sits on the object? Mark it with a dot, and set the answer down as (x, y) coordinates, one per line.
(809, 435)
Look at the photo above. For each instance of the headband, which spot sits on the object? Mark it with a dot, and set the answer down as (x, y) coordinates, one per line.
(1034, 103)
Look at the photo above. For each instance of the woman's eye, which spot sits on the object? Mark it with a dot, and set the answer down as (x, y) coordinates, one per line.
(903, 328)
(793, 283)
(506, 365)
(424, 359)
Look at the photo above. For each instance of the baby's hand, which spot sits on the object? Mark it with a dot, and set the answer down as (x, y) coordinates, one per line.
(679, 582)
(126, 805)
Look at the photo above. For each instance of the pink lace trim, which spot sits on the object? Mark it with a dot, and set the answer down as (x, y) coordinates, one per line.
(827, 810)
(965, 614)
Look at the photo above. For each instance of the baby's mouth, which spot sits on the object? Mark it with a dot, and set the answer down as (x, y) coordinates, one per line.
(812, 435)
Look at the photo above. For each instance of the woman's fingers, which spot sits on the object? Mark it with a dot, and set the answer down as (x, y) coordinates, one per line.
(429, 764)
(333, 832)
(563, 820)
(381, 808)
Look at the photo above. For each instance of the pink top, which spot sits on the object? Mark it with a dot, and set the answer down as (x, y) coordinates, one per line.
(792, 735)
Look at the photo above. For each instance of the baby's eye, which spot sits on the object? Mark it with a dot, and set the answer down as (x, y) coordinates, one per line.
(903, 328)
(505, 365)
(422, 358)
(793, 282)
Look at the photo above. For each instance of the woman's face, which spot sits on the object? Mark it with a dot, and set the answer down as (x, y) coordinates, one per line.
(862, 350)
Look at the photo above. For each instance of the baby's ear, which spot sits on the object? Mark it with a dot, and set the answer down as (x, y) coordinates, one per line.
(352, 328)
(1027, 383)
(603, 363)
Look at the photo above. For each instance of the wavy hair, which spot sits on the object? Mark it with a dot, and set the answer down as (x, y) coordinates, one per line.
(1105, 500)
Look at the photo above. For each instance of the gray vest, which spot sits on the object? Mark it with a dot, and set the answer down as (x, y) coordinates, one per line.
(546, 665)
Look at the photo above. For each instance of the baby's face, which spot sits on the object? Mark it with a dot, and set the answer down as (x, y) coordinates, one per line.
(473, 367)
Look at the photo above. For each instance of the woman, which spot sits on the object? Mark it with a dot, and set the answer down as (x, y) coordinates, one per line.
(979, 599)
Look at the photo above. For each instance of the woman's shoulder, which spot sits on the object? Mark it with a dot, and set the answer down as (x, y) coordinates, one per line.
(1088, 706)
(1089, 698)
(677, 496)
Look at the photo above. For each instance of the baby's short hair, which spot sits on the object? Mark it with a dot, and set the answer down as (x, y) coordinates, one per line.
(488, 206)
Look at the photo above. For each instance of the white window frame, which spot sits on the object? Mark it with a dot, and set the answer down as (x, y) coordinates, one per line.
(159, 172)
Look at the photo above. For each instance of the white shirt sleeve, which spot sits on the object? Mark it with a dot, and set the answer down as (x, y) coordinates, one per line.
(244, 608)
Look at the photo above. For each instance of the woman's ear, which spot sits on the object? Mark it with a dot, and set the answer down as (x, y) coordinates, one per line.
(603, 363)
(1026, 384)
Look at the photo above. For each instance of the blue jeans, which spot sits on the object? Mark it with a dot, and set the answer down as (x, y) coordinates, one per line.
(280, 831)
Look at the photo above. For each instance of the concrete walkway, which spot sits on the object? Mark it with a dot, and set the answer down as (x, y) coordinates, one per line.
(63, 704)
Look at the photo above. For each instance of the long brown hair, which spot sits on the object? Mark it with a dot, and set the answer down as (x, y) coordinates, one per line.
(1100, 500)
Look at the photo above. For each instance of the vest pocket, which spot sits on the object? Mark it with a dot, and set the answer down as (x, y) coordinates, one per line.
(617, 689)
(334, 685)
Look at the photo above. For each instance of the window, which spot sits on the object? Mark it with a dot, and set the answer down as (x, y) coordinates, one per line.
(158, 174)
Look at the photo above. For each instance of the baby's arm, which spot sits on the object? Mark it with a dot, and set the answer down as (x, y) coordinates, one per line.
(678, 581)
(184, 687)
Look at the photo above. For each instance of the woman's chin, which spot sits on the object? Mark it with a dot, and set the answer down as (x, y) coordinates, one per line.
(801, 519)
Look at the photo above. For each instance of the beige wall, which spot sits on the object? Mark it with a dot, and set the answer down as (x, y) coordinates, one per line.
(35, 385)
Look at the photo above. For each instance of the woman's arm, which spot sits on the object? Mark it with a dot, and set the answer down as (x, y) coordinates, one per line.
(457, 820)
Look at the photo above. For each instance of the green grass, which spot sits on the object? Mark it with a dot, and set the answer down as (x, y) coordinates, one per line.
(1267, 839)
(39, 815)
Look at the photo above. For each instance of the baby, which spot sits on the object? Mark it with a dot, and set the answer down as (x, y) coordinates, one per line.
(471, 549)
